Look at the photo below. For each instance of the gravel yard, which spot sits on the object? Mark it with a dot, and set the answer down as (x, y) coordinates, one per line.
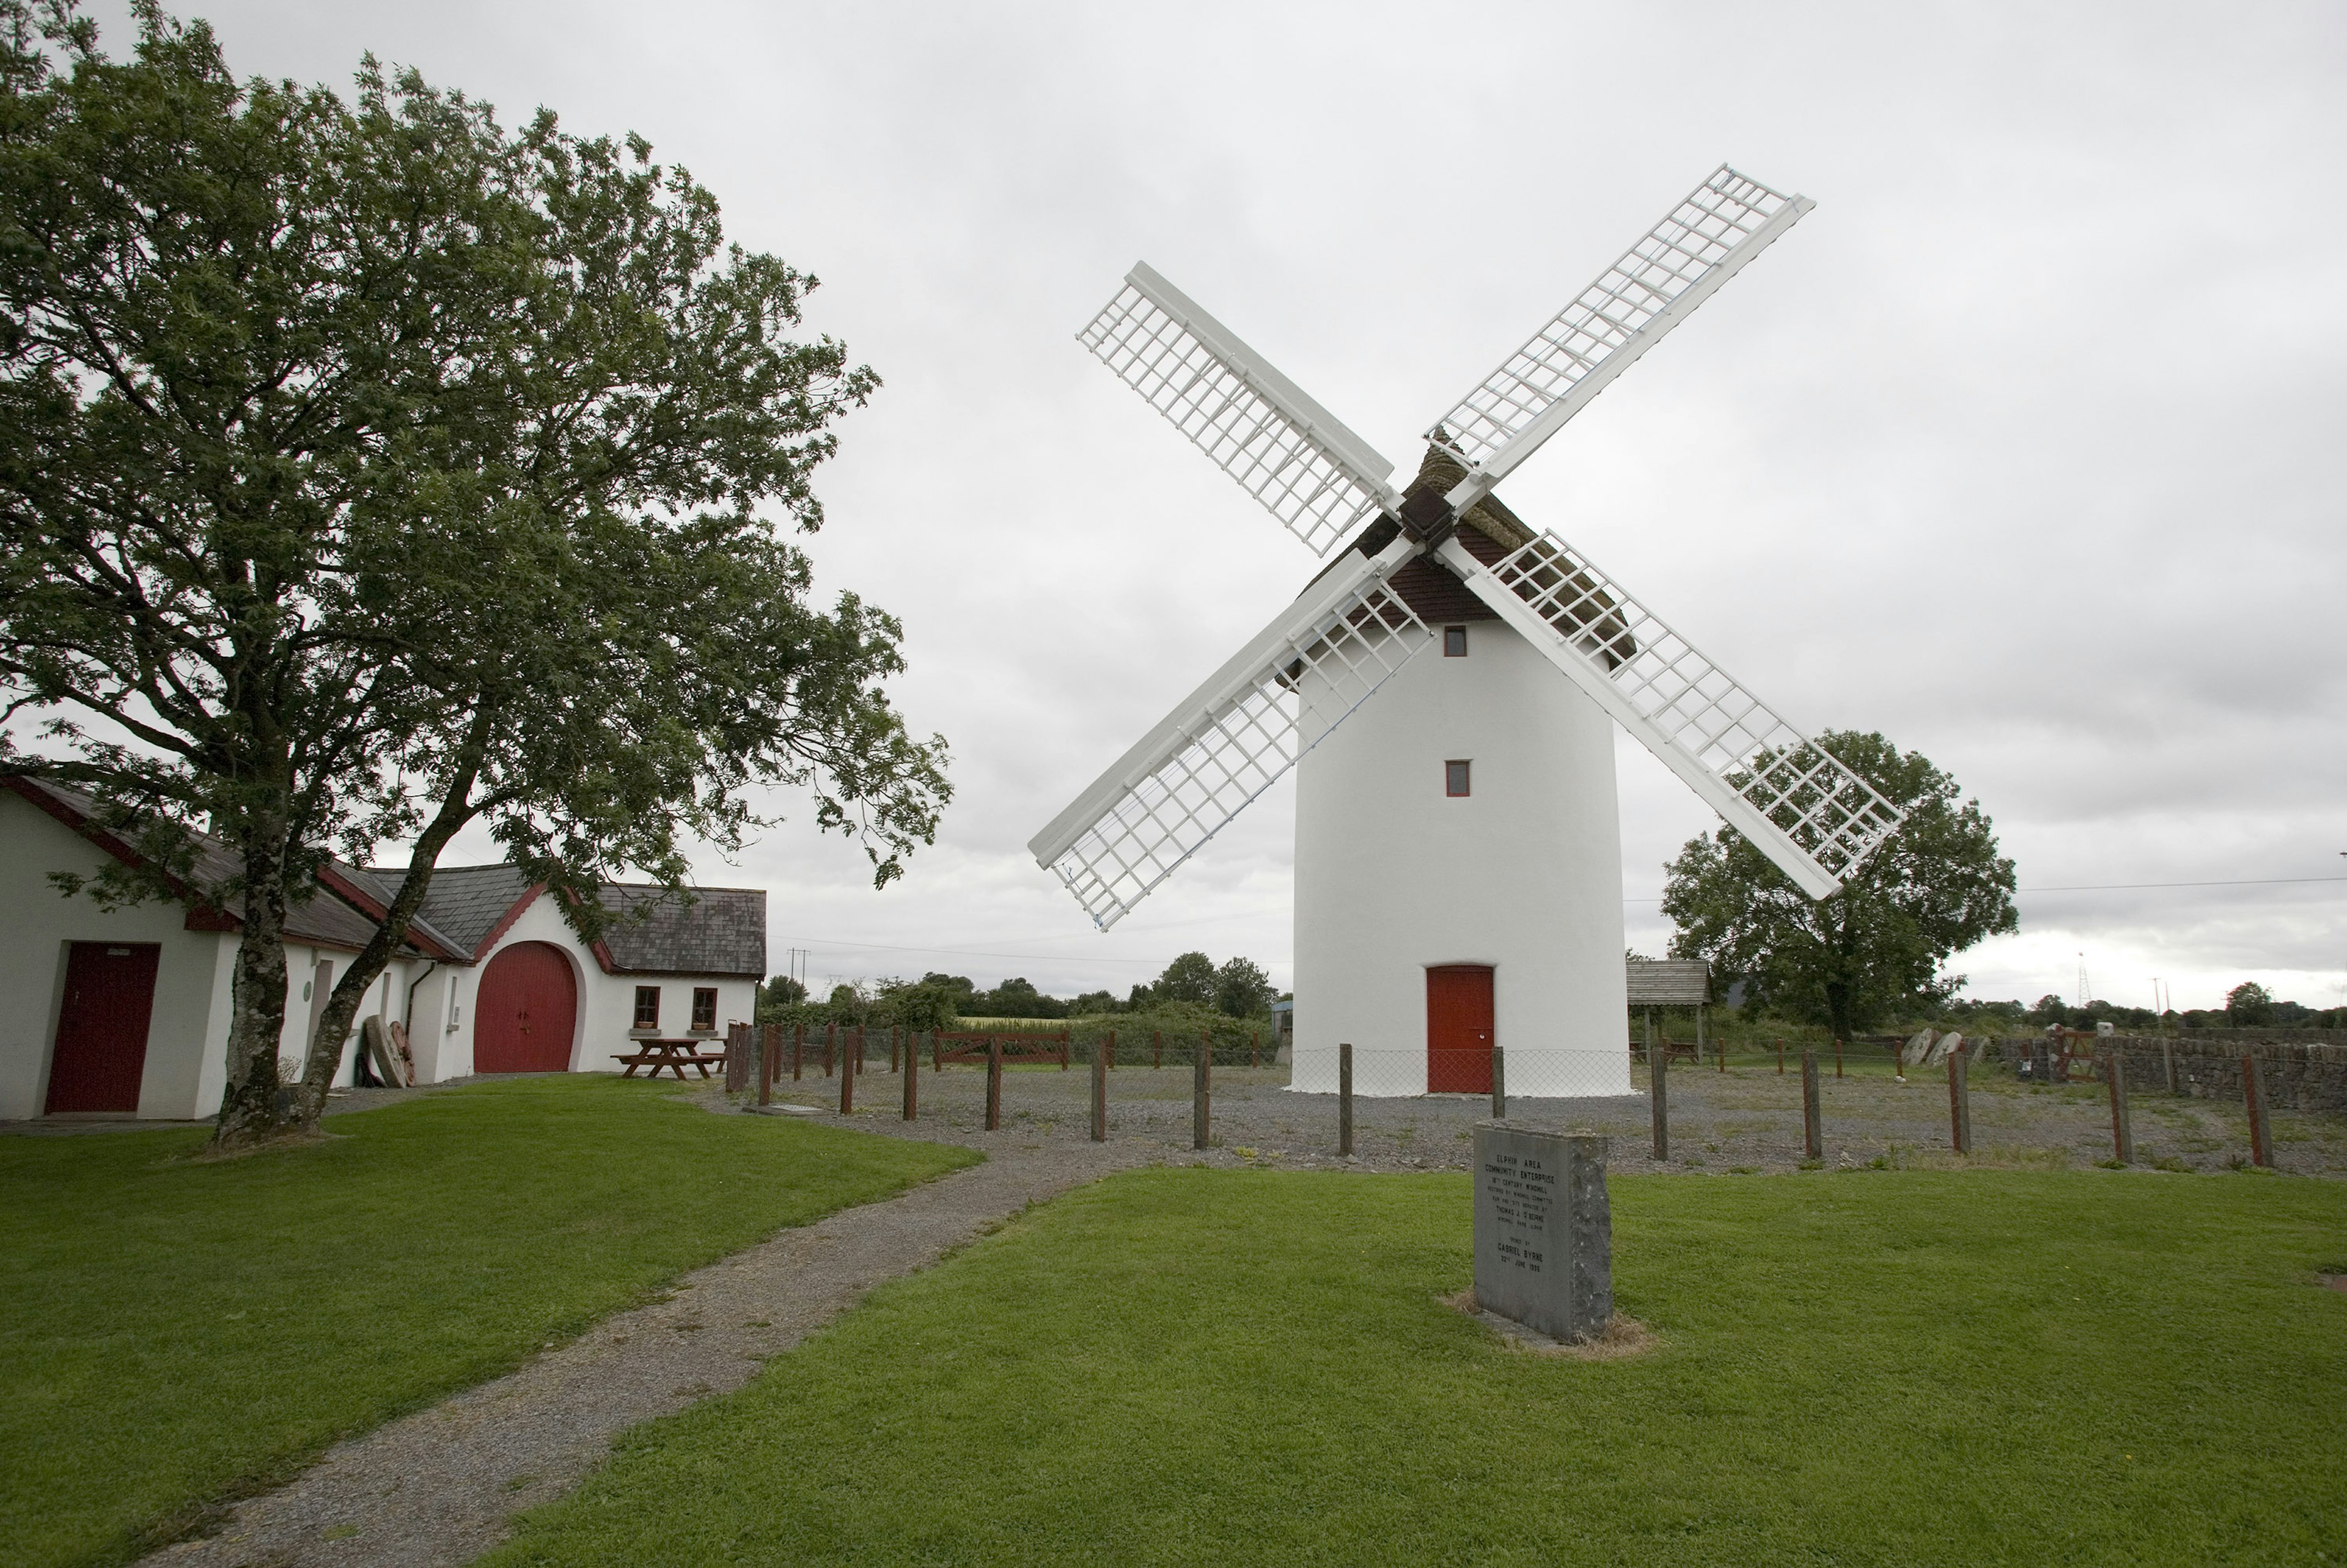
(1746, 1120)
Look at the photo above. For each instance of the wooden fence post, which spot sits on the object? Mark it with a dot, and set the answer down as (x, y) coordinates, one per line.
(1498, 1083)
(1201, 1074)
(770, 1040)
(1836, 1059)
(1659, 1092)
(2253, 1096)
(859, 1051)
(1156, 1048)
(1780, 1056)
(912, 1076)
(1959, 1104)
(2122, 1126)
(848, 1088)
(1099, 1096)
(1255, 1048)
(798, 1049)
(895, 1045)
(1345, 1101)
(830, 1046)
(994, 1084)
(1813, 1132)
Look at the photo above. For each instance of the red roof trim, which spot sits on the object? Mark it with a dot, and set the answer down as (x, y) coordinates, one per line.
(374, 909)
(505, 923)
(201, 916)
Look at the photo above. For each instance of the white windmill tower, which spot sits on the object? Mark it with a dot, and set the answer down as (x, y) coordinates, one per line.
(1457, 863)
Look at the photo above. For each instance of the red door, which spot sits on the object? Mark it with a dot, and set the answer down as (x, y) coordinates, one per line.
(1459, 1029)
(525, 1012)
(101, 1048)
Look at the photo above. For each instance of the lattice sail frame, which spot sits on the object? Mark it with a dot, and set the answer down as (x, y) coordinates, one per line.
(1238, 749)
(1825, 812)
(1320, 480)
(1712, 229)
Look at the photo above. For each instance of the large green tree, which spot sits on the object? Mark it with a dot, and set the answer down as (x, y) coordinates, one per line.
(1934, 889)
(368, 472)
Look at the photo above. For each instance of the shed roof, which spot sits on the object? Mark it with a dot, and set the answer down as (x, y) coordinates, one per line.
(1669, 982)
(720, 931)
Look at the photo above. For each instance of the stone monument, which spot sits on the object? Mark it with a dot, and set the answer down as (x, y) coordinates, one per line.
(1543, 1230)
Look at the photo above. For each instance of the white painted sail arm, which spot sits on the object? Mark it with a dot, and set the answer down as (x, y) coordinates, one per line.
(1305, 466)
(1231, 739)
(1813, 817)
(1194, 712)
(1682, 260)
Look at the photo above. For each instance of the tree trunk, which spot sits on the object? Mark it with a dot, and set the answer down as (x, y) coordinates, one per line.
(325, 1046)
(256, 1106)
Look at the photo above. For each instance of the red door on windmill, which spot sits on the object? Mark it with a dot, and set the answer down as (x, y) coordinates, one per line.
(1459, 1028)
(525, 1012)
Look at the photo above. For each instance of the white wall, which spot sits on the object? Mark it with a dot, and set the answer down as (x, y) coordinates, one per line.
(1393, 877)
(189, 1024)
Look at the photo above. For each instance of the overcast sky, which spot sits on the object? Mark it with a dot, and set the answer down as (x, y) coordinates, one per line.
(2024, 448)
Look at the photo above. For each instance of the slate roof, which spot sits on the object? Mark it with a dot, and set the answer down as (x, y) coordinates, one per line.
(723, 931)
(321, 918)
(1669, 982)
(464, 904)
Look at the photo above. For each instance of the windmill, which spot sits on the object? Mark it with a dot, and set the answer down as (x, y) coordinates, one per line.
(1458, 858)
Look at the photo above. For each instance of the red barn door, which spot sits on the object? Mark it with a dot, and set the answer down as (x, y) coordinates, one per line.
(526, 1011)
(102, 1047)
(1459, 1029)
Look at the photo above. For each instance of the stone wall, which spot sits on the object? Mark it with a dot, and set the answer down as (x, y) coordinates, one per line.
(2299, 1075)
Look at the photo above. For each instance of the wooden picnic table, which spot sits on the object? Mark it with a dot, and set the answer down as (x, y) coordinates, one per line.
(674, 1055)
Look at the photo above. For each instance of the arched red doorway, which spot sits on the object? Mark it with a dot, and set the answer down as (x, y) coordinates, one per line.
(525, 1012)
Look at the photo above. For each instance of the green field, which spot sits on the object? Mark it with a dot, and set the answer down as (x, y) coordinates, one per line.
(175, 1332)
(1201, 1367)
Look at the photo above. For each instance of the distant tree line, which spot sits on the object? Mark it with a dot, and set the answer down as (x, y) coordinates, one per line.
(2247, 1006)
(1235, 988)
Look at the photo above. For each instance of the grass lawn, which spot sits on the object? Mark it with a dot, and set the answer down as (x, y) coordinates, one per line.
(1242, 1367)
(173, 1333)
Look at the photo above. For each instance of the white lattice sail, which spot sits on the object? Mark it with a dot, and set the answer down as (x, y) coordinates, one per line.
(1810, 814)
(1228, 742)
(1702, 242)
(1319, 479)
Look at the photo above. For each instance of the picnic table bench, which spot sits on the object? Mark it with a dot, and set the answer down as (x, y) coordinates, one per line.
(674, 1055)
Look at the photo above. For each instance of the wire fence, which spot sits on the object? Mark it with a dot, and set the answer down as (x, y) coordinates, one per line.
(764, 1061)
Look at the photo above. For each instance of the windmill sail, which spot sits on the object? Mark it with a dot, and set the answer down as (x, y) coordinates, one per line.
(1319, 479)
(1807, 812)
(1226, 743)
(1679, 263)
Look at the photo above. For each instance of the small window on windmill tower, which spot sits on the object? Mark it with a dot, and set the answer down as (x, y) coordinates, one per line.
(1454, 778)
(1454, 642)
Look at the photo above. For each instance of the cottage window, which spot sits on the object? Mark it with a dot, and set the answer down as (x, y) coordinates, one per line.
(704, 1009)
(1454, 642)
(648, 1007)
(1454, 778)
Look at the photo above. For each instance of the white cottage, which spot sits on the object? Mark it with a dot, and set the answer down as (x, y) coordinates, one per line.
(125, 1012)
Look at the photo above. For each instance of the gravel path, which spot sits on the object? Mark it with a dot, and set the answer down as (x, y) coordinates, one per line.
(438, 1487)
